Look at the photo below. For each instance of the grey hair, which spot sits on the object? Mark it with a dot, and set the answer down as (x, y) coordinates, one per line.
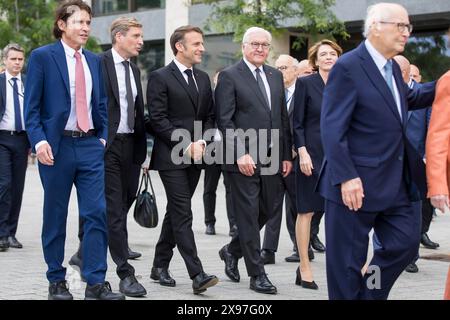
(376, 12)
(294, 61)
(253, 30)
(9, 47)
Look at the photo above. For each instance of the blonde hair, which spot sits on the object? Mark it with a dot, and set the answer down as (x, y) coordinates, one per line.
(122, 25)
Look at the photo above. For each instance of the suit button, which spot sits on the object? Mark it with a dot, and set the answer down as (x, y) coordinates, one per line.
(400, 158)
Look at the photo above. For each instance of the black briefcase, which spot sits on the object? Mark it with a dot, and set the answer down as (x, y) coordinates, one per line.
(145, 210)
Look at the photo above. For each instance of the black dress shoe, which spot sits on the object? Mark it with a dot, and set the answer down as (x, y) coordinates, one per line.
(317, 244)
(427, 243)
(231, 264)
(101, 291)
(210, 229)
(4, 244)
(203, 281)
(133, 254)
(162, 275)
(262, 284)
(14, 243)
(267, 256)
(305, 284)
(293, 258)
(130, 287)
(412, 268)
(233, 231)
(77, 263)
(59, 291)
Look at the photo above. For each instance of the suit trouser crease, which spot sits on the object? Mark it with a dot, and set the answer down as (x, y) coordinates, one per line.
(79, 162)
(176, 228)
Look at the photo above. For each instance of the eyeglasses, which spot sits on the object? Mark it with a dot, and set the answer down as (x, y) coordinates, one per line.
(400, 25)
(256, 45)
(283, 68)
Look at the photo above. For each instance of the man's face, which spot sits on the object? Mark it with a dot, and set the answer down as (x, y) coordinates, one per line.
(305, 70)
(76, 30)
(256, 50)
(414, 73)
(392, 34)
(131, 43)
(14, 62)
(289, 71)
(190, 49)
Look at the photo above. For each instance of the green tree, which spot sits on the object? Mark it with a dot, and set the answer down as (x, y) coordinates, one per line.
(312, 17)
(30, 24)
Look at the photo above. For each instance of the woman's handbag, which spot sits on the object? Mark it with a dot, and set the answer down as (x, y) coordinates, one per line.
(145, 210)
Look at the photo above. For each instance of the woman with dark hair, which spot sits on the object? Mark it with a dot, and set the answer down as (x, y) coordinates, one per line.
(307, 105)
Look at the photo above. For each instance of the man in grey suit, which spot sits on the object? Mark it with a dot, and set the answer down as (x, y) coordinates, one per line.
(252, 116)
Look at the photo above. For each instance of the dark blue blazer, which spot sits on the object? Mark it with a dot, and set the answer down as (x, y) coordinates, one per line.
(47, 95)
(2, 95)
(417, 127)
(363, 134)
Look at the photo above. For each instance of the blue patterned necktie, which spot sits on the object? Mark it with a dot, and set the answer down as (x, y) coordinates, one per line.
(17, 113)
(388, 77)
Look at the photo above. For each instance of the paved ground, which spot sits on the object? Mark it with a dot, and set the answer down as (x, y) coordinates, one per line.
(23, 271)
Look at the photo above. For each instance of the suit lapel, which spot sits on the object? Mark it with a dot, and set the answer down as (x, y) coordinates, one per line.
(92, 68)
(111, 69)
(251, 81)
(59, 55)
(377, 80)
(200, 90)
(401, 87)
(272, 86)
(177, 74)
(2, 94)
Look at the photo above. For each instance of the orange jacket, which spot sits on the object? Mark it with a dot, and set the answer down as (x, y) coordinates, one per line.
(438, 141)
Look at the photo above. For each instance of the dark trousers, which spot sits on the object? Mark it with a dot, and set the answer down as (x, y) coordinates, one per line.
(253, 202)
(13, 165)
(212, 176)
(427, 215)
(79, 162)
(398, 229)
(176, 228)
(118, 165)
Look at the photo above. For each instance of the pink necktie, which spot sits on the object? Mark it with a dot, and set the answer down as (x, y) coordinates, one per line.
(80, 95)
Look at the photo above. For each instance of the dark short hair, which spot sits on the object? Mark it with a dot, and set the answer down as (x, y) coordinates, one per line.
(178, 35)
(314, 50)
(65, 11)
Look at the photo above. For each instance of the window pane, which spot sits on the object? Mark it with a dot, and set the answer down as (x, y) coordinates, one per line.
(102, 7)
(149, 4)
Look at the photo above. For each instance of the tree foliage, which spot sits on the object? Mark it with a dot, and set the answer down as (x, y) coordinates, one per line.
(30, 24)
(312, 17)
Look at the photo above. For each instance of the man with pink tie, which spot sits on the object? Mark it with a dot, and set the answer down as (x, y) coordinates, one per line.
(66, 120)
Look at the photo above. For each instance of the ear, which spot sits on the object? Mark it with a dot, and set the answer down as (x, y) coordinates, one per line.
(61, 25)
(179, 46)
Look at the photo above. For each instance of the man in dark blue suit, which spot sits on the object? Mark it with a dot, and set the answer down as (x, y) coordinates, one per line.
(370, 168)
(66, 120)
(14, 145)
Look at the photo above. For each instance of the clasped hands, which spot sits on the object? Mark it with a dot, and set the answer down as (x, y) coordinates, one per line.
(196, 150)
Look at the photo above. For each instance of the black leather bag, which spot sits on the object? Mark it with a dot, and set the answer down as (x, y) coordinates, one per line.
(145, 210)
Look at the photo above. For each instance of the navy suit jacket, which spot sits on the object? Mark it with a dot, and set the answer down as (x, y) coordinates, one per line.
(2, 95)
(363, 135)
(47, 97)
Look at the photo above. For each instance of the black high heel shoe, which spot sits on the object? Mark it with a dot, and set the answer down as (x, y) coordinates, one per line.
(305, 284)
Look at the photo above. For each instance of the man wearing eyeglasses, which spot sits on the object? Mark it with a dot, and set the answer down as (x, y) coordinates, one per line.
(14, 145)
(371, 170)
(250, 98)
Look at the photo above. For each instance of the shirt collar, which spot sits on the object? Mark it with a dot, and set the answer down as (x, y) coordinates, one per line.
(10, 76)
(377, 57)
(117, 57)
(291, 89)
(181, 66)
(70, 51)
(252, 67)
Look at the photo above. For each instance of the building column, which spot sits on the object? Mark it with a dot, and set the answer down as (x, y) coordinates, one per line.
(279, 45)
(177, 15)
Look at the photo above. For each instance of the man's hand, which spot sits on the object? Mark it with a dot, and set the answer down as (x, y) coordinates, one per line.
(246, 165)
(440, 202)
(196, 150)
(352, 194)
(287, 168)
(305, 161)
(45, 155)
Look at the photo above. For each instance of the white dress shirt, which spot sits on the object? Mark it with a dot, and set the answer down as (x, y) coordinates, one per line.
(263, 77)
(8, 122)
(120, 73)
(290, 94)
(380, 62)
